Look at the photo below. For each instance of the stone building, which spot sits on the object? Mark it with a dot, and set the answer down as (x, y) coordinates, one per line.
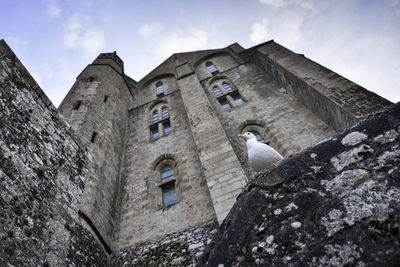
(162, 161)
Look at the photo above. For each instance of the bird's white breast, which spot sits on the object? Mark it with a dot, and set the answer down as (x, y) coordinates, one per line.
(261, 155)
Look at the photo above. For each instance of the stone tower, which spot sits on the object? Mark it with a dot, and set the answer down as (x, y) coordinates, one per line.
(97, 108)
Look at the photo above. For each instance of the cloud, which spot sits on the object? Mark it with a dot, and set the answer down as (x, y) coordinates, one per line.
(286, 30)
(151, 29)
(274, 3)
(306, 4)
(91, 40)
(53, 11)
(259, 31)
(182, 41)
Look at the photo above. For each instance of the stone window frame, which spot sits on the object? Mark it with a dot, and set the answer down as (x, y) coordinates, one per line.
(161, 122)
(160, 186)
(219, 82)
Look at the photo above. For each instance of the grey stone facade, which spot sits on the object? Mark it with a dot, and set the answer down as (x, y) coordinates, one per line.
(141, 169)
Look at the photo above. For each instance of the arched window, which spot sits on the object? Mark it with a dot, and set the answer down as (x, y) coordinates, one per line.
(155, 116)
(159, 89)
(211, 67)
(227, 87)
(225, 104)
(167, 173)
(160, 126)
(167, 128)
(258, 136)
(238, 99)
(164, 112)
(217, 91)
(168, 185)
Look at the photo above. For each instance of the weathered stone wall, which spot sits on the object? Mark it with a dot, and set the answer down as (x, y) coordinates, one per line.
(275, 114)
(105, 99)
(142, 213)
(338, 101)
(334, 204)
(223, 172)
(42, 177)
(146, 93)
(182, 248)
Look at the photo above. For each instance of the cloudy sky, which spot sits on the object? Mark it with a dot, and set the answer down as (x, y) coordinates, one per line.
(56, 39)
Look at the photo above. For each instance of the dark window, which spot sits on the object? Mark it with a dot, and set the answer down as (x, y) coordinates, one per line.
(155, 116)
(217, 91)
(167, 128)
(77, 104)
(225, 104)
(159, 89)
(227, 87)
(169, 194)
(258, 136)
(165, 113)
(105, 98)
(167, 173)
(211, 67)
(154, 133)
(238, 99)
(94, 135)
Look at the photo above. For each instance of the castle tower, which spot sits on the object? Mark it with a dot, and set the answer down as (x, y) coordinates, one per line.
(96, 108)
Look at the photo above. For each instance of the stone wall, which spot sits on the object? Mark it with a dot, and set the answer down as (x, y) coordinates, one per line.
(334, 204)
(103, 112)
(142, 213)
(42, 177)
(182, 248)
(338, 101)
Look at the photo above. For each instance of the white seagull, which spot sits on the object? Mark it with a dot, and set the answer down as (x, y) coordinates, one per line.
(260, 155)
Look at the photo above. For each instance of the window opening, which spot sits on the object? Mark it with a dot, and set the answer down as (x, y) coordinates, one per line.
(238, 99)
(159, 89)
(227, 87)
(154, 133)
(167, 128)
(211, 67)
(155, 116)
(225, 104)
(94, 135)
(77, 104)
(258, 136)
(167, 173)
(217, 91)
(165, 113)
(169, 194)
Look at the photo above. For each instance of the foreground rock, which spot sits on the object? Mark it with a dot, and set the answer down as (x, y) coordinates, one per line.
(334, 204)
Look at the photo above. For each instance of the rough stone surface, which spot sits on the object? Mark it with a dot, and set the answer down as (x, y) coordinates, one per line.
(183, 248)
(319, 213)
(42, 177)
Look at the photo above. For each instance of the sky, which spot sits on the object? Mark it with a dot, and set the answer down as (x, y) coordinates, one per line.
(57, 39)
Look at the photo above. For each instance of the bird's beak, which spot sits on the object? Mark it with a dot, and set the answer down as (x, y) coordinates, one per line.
(241, 135)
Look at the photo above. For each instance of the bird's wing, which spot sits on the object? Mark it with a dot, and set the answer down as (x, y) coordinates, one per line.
(261, 156)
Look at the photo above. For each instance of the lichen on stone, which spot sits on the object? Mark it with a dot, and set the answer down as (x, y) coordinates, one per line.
(354, 138)
(352, 156)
